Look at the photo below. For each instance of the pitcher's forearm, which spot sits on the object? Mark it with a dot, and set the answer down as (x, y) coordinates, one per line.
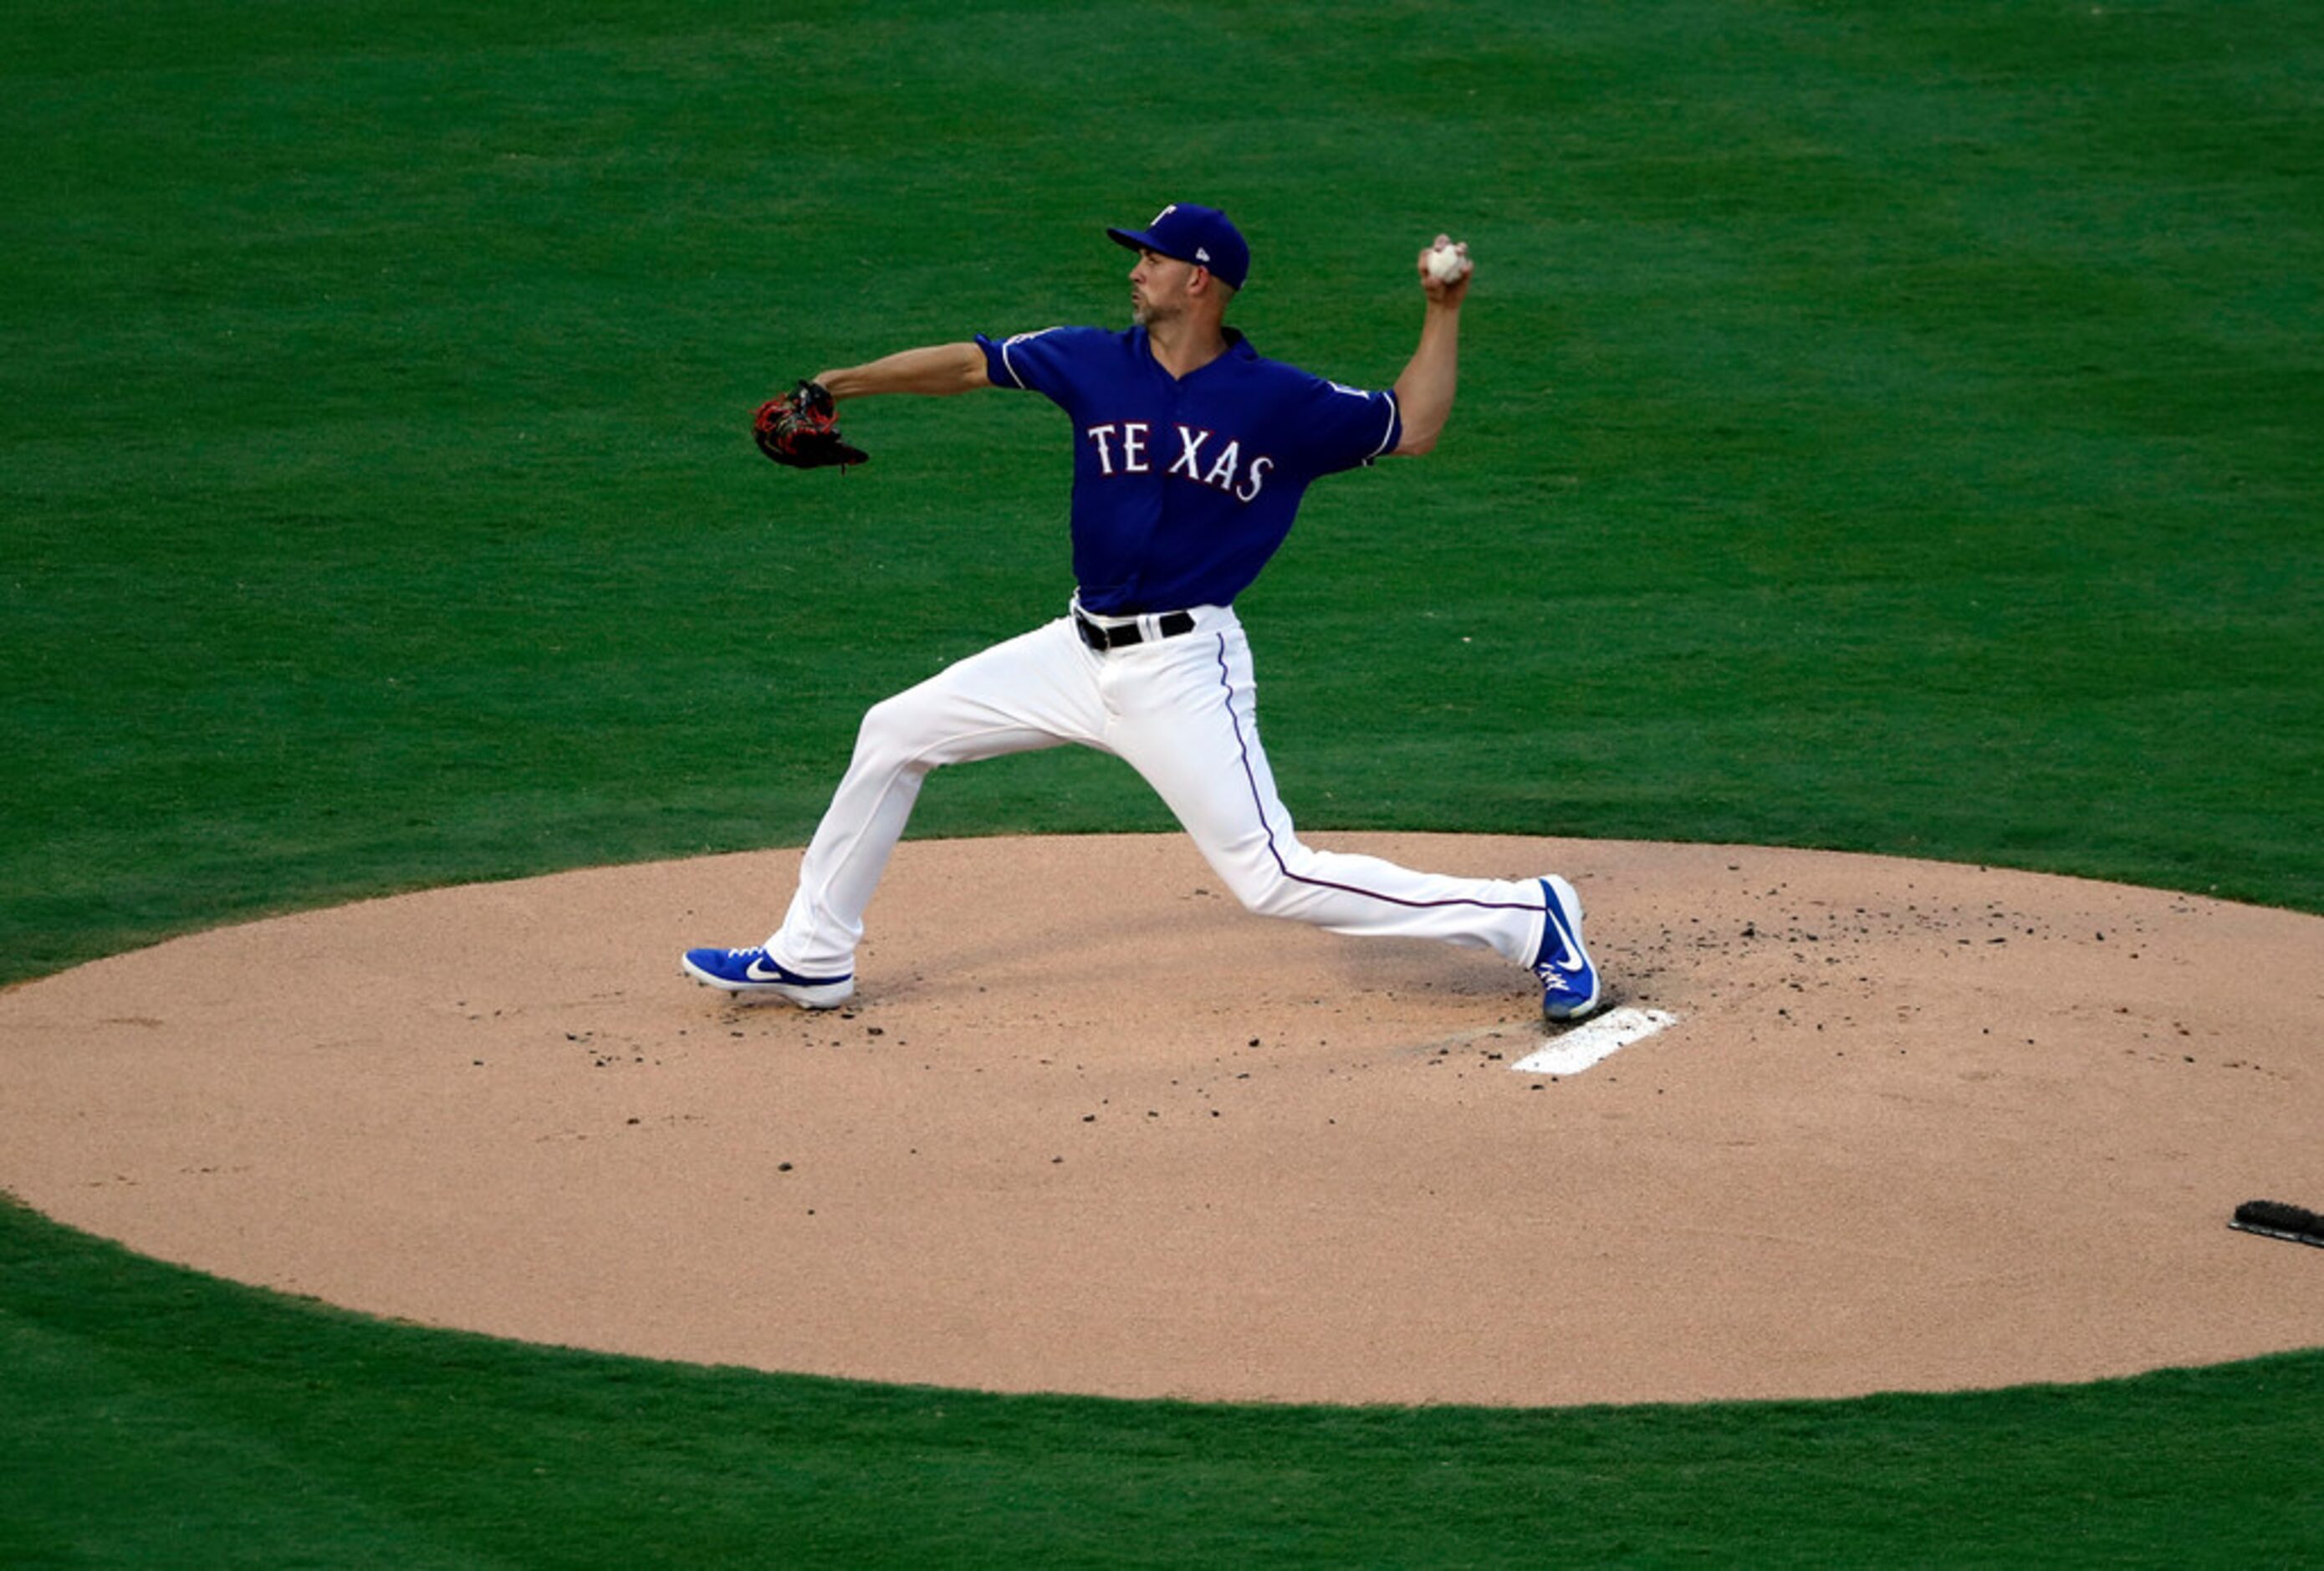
(1423, 393)
(938, 369)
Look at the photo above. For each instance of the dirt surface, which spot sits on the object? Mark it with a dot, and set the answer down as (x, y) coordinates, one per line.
(1090, 1127)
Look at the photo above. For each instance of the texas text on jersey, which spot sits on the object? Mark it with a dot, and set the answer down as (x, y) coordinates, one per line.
(1184, 487)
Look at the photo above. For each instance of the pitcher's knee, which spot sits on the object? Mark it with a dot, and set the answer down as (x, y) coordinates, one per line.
(1266, 890)
(894, 736)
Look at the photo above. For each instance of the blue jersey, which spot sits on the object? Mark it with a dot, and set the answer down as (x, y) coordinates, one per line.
(1183, 487)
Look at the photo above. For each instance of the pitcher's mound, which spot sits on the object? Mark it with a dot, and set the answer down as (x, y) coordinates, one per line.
(1090, 1127)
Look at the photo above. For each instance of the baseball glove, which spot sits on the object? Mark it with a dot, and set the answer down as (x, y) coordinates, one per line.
(801, 430)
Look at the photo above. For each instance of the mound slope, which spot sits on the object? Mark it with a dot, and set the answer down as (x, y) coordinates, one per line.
(1090, 1127)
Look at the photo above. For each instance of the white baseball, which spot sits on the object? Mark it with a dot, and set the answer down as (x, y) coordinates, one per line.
(1446, 264)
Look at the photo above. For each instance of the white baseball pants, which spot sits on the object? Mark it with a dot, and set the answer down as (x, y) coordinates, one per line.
(1182, 711)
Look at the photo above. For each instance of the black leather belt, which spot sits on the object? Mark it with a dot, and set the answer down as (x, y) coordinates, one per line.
(1169, 624)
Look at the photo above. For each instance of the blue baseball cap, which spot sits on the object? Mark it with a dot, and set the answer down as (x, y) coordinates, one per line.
(1202, 236)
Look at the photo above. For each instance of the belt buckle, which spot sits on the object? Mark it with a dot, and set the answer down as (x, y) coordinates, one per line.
(1102, 638)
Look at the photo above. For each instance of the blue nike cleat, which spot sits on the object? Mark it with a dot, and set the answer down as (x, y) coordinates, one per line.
(750, 973)
(1569, 982)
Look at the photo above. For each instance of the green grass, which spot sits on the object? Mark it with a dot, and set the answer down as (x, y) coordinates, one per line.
(1883, 427)
(213, 1423)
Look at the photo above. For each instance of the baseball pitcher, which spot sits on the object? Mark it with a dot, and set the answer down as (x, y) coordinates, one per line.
(1191, 454)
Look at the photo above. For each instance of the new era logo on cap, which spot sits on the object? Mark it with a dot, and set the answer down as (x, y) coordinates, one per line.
(1202, 236)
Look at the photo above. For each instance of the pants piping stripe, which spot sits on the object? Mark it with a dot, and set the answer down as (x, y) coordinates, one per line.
(1258, 809)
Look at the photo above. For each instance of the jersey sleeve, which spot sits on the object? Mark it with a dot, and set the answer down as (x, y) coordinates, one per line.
(1040, 361)
(1346, 427)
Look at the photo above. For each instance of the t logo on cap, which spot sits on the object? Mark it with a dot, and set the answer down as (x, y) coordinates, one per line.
(1186, 232)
